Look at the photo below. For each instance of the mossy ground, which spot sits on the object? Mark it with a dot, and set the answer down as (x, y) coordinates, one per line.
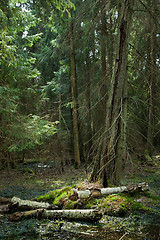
(47, 179)
(113, 205)
(123, 204)
(27, 186)
(56, 196)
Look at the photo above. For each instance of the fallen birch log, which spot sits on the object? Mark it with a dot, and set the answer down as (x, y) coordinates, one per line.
(17, 216)
(99, 192)
(23, 205)
(74, 214)
(77, 214)
(4, 200)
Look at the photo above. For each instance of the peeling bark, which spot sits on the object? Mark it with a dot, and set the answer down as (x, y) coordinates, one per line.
(99, 192)
(22, 205)
(82, 214)
(85, 215)
(45, 210)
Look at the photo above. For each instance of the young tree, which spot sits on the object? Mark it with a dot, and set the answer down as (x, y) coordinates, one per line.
(152, 81)
(74, 96)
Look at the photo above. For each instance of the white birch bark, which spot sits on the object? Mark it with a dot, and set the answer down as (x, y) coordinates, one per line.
(107, 191)
(21, 204)
(76, 214)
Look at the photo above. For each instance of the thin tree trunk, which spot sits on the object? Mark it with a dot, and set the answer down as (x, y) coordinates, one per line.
(89, 115)
(60, 152)
(74, 97)
(110, 45)
(59, 145)
(103, 59)
(152, 81)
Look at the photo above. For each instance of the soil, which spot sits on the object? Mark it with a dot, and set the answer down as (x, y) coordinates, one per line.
(48, 176)
(23, 181)
(33, 179)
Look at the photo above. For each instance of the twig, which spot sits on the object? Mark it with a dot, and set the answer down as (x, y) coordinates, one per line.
(123, 236)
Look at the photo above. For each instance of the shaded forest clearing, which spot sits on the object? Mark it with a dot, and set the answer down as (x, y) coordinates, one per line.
(118, 220)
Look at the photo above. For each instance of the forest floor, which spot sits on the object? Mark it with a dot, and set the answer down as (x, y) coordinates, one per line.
(35, 178)
(48, 176)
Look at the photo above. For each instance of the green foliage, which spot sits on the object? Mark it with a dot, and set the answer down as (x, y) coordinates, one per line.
(18, 77)
(55, 86)
(31, 131)
(35, 71)
(21, 132)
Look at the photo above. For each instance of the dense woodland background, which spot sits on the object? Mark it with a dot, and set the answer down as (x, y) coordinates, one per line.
(80, 83)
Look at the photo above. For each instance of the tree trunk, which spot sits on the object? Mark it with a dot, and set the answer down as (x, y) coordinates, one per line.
(89, 115)
(60, 153)
(110, 45)
(152, 81)
(112, 155)
(103, 59)
(74, 97)
(59, 145)
(103, 100)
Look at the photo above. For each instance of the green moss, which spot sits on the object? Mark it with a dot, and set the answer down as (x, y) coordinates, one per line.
(136, 206)
(150, 195)
(71, 204)
(61, 198)
(48, 197)
(89, 203)
(119, 205)
(28, 171)
(115, 205)
(54, 196)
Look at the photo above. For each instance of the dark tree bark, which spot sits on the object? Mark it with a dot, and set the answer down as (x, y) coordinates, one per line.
(112, 155)
(89, 114)
(152, 80)
(74, 96)
(103, 59)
